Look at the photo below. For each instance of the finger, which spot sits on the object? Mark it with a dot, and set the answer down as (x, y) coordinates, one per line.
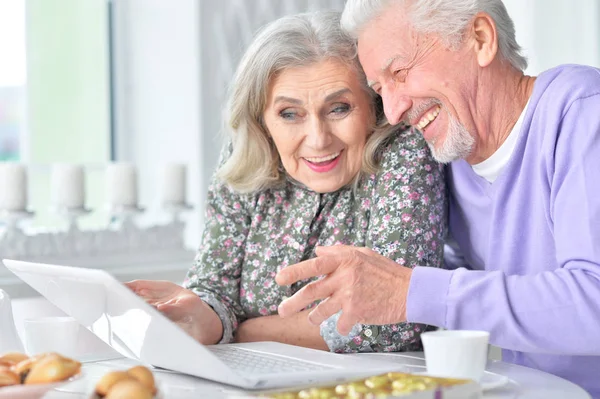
(345, 323)
(304, 297)
(324, 310)
(333, 250)
(307, 269)
(343, 251)
(135, 285)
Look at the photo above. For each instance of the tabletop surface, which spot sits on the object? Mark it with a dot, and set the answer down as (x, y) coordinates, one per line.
(523, 382)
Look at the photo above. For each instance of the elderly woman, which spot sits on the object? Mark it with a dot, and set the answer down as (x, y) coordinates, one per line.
(311, 162)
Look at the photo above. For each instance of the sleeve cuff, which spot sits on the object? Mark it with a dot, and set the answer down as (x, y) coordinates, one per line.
(334, 340)
(224, 315)
(427, 296)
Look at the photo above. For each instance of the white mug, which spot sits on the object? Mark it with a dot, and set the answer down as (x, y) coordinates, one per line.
(456, 354)
(9, 338)
(51, 334)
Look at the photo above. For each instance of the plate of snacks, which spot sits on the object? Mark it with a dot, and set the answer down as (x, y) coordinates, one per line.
(392, 384)
(24, 377)
(134, 383)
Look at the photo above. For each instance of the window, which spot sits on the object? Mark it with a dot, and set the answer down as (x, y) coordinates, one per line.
(12, 78)
(55, 95)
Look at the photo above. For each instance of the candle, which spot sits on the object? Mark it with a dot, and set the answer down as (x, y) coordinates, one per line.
(121, 184)
(68, 186)
(13, 187)
(174, 184)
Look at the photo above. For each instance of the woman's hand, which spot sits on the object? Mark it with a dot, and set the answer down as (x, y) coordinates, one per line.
(181, 306)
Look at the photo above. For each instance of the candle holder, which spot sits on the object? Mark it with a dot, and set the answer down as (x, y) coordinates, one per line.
(175, 209)
(12, 219)
(123, 215)
(71, 215)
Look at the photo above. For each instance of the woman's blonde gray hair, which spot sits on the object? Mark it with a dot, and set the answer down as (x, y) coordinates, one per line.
(447, 18)
(289, 42)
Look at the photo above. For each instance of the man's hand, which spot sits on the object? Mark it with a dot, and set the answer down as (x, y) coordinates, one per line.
(181, 306)
(367, 287)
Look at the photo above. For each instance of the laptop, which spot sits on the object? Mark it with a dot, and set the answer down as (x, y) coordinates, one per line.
(128, 324)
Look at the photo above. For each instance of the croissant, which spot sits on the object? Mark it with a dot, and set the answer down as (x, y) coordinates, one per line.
(5, 364)
(25, 365)
(52, 368)
(110, 379)
(13, 358)
(8, 377)
(129, 389)
(143, 375)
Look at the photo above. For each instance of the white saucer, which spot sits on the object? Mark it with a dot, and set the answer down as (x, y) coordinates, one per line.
(492, 381)
(488, 381)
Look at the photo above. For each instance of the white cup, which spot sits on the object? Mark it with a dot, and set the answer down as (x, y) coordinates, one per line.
(456, 354)
(51, 334)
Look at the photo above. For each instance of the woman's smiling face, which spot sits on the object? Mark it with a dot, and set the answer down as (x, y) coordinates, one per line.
(319, 118)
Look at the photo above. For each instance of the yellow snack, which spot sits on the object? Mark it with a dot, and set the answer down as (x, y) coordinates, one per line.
(145, 376)
(13, 358)
(52, 368)
(129, 389)
(110, 379)
(8, 377)
(23, 367)
(379, 386)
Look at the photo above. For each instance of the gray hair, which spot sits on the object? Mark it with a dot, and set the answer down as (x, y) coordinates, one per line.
(293, 41)
(447, 18)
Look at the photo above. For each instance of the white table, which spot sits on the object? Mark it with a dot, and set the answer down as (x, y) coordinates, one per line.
(524, 383)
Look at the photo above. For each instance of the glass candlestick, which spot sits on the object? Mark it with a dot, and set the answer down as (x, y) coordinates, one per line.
(12, 219)
(123, 215)
(176, 209)
(71, 215)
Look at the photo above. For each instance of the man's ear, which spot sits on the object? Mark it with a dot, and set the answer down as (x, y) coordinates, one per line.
(485, 37)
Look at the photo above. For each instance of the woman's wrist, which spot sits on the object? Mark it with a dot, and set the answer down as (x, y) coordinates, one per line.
(208, 328)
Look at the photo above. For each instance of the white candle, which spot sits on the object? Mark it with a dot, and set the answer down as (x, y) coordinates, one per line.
(68, 186)
(121, 184)
(174, 184)
(13, 187)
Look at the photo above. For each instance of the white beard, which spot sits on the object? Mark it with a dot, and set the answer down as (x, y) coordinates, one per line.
(457, 144)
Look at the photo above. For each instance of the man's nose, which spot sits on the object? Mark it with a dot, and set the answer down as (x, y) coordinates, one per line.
(395, 104)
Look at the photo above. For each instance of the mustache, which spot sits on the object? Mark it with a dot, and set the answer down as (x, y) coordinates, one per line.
(415, 112)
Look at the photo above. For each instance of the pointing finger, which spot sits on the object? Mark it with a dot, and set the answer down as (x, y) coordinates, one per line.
(309, 268)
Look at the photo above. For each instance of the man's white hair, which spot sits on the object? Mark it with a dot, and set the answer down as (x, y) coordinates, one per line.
(447, 18)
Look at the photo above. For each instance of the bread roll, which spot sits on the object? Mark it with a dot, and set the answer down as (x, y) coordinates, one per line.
(8, 377)
(13, 357)
(110, 379)
(52, 368)
(129, 389)
(23, 367)
(145, 376)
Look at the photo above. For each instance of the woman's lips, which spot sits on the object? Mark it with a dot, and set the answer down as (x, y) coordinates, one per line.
(325, 166)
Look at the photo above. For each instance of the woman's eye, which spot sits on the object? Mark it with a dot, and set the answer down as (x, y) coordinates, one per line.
(288, 114)
(340, 109)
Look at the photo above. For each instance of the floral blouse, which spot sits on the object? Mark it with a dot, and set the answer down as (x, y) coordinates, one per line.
(400, 212)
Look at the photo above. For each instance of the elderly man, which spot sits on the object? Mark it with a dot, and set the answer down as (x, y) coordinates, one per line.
(524, 179)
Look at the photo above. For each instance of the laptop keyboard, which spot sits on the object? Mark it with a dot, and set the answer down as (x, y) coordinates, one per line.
(252, 362)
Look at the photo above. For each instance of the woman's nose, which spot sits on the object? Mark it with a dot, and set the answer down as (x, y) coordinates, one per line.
(319, 136)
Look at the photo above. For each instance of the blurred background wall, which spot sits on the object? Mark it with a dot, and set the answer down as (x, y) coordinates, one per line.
(144, 81)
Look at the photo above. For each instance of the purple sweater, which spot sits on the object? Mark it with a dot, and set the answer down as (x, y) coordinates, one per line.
(531, 239)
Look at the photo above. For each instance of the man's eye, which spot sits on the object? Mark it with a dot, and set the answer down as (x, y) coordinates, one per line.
(401, 74)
